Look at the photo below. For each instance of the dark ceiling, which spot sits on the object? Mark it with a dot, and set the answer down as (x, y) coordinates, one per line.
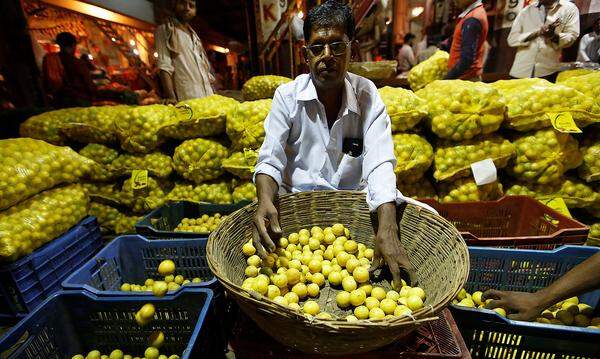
(225, 16)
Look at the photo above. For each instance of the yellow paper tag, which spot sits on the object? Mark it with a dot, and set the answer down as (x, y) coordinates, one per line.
(563, 122)
(557, 204)
(139, 182)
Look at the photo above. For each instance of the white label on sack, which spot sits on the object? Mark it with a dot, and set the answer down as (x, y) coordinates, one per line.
(484, 172)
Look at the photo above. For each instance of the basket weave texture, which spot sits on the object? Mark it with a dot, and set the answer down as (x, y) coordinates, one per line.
(434, 246)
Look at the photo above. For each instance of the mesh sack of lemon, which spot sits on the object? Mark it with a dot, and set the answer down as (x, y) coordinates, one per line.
(414, 156)
(29, 166)
(530, 100)
(156, 163)
(244, 191)
(47, 126)
(143, 200)
(138, 129)
(590, 168)
(262, 87)
(466, 190)
(103, 157)
(245, 128)
(311, 267)
(421, 189)
(241, 164)
(460, 110)
(574, 192)
(405, 108)
(453, 160)
(202, 117)
(544, 156)
(200, 160)
(588, 85)
(39, 219)
(218, 192)
(568, 74)
(434, 68)
(94, 124)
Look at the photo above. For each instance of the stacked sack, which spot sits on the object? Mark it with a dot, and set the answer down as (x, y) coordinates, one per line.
(38, 200)
(434, 68)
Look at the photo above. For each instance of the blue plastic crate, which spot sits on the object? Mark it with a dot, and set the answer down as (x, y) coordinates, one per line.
(161, 222)
(488, 335)
(133, 258)
(27, 282)
(76, 322)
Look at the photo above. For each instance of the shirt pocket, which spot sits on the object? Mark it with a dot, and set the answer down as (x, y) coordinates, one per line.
(349, 173)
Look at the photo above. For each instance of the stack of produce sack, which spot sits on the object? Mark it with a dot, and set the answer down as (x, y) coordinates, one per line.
(38, 198)
(434, 68)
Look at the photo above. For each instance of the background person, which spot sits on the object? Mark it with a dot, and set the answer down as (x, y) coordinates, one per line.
(185, 71)
(589, 46)
(467, 49)
(540, 32)
(406, 56)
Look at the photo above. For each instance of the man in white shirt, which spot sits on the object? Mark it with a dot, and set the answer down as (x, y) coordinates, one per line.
(406, 55)
(589, 46)
(183, 64)
(329, 130)
(540, 32)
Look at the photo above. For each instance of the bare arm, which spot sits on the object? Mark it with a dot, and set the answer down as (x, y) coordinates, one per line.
(527, 306)
(266, 215)
(167, 84)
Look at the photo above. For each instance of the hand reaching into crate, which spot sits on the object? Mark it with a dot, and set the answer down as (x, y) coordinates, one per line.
(527, 306)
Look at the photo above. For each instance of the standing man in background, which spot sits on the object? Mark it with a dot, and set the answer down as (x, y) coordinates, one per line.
(589, 46)
(406, 55)
(470, 34)
(540, 32)
(184, 68)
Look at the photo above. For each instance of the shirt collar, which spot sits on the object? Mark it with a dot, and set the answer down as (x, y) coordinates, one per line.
(556, 4)
(470, 8)
(349, 100)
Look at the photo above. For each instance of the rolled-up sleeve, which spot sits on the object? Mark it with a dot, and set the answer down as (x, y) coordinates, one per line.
(570, 32)
(517, 36)
(164, 62)
(271, 157)
(379, 160)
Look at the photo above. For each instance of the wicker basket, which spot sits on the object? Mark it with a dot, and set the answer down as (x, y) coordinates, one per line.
(434, 246)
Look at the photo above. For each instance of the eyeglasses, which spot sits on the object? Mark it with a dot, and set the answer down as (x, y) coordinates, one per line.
(337, 48)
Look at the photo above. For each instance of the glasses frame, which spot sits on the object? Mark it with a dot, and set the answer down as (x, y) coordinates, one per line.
(320, 53)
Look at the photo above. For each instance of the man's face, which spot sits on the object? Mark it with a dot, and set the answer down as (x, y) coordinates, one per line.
(185, 10)
(328, 54)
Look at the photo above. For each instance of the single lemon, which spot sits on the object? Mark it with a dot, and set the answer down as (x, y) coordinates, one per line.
(172, 286)
(344, 273)
(388, 306)
(366, 287)
(293, 276)
(361, 274)
(466, 302)
(357, 297)
(414, 302)
(361, 312)
(149, 282)
(500, 311)
(160, 288)
(281, 300)
(335, 278)
(151, 353)
(369, 253)
(311, 307)
(179, 279)
(147, 311)
(248, 249)
(273, 291)
(315, 266)
(342, 258)
(323, 315)
(196, 280)
(351, 318)
(371, 302)
(313, 290)
(420, 293)
(294, 306)
(376, 313)
(116, 354)
(378, 293)
(94, 354)
(349, 284)
(476, 297)
(350, 246)
(283, 242)
(342, 299)
(291, 297)
(169, 278)
(251, 271)
(329, 238)
(314, 244)
(352, 264)
(402, 310)
(318, 279)
(166, 267)
(300, 290)
(126, 287)
(156, 339)
(338, 229)
(393, 295)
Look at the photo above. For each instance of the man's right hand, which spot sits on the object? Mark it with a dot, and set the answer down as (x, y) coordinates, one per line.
(520, 305)
(265, 219)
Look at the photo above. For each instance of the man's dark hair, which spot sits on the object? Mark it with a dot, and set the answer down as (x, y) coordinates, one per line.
(408, 37)
(331, 13)
(66, 39)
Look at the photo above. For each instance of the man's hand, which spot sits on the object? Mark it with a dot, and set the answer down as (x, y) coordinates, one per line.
(266, 217)
(522, 306)
(388, 246)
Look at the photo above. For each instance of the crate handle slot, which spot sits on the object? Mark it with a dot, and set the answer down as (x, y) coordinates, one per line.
(22, 341)
(98, 264)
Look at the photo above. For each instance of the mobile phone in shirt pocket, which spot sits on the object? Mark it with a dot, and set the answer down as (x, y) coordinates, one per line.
(349, 172)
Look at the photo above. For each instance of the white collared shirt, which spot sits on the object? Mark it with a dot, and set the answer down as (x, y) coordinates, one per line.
(589, 48)
(541, 56)
(301, 153)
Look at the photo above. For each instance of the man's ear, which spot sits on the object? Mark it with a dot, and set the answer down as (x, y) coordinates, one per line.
(355, 53)
(305, 53)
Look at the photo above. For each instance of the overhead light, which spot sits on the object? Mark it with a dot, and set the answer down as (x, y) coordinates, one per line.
(220, 49)
(113, 39)
(90, 57)
(132, 42)
(416, 11)
(388, 21)
(136, 52)
(156, 54)
(300, 14)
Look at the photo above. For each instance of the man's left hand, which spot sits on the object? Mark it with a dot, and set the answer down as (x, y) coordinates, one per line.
(389, 249)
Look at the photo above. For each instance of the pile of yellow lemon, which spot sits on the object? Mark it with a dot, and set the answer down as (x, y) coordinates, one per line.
(159, 288)
(309, 260)
(569, 312)
(204, 224)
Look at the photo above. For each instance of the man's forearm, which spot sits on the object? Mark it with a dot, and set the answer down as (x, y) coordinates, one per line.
(386, 213)
(266, 188)
(167, 83)
(582, 278)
